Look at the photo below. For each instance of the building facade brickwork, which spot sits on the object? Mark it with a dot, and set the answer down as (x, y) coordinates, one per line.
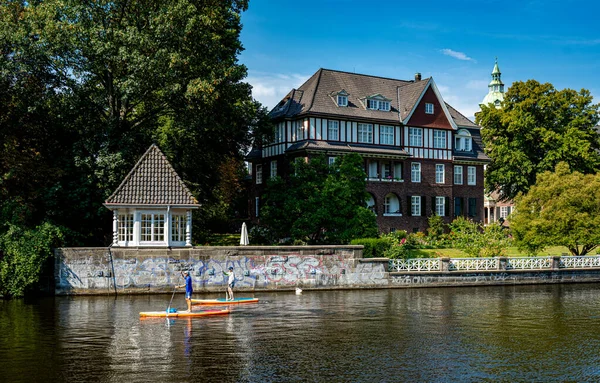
(421, 156)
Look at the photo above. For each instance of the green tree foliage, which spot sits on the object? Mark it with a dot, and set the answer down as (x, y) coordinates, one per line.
(478, 241)
(538, 127)
(561, 209)
(86, 87)
(24, 255)
(319, 203)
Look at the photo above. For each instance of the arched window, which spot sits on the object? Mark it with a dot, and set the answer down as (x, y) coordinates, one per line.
(371, 204)
(391, 205)
(463, 141)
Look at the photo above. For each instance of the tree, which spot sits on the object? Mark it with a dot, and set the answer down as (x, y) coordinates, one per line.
(536, 128)
(478, 241)
(561, 209)
(86, 87)
(320, 203)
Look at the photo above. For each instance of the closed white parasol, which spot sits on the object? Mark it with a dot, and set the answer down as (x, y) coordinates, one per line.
(244, 237)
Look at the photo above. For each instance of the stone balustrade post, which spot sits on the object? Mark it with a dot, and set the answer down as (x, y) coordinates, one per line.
(555, 262)
(445, 264)
(502, 262)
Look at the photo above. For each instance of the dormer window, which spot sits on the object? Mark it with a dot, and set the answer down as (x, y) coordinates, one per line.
(340, 98)
(377, 102)
(428, 108)
(462, 141)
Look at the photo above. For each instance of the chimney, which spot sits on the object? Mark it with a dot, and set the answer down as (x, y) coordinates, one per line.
(417, 76)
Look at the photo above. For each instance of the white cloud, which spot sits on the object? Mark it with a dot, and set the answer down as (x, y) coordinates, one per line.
(270, 88)
(456, 55)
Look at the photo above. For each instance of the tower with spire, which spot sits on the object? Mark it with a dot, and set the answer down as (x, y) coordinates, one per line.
(495, 88)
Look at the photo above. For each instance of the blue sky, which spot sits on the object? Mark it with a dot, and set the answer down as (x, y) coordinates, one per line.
(456, 42)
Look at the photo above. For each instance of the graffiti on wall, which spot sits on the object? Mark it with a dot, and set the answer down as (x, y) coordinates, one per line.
(251, 272)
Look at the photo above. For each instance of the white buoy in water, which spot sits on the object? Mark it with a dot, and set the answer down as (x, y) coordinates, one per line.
(298, 291)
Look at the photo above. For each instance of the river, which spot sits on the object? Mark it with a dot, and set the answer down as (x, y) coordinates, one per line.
(541, 333)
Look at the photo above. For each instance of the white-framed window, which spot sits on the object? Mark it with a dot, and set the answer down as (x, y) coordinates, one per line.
(440, 206)
(371, 204)
(439, 139)
(415, 137)
(152, 227)
(125, 227)
(415, 172)
(373, 169)
(391, 204)
(471, 175)
(331, 161)
(386, 135)
(378, 104)
(398, 171)
(333, 130)
(386, 170)
(178, 223)
(273, 169)
(365, 133)
(428, 108)
(458, 174)
(503, 212)
(259, 174)
(439, 174)
(415, 206)
(463, 141)
(280, 133)
(342, 100)
(299, 130)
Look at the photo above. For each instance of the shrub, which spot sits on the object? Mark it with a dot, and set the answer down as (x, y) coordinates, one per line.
(373, 247)
(23, 254)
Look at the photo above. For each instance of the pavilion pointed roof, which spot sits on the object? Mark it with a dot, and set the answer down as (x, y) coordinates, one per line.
(152, 181)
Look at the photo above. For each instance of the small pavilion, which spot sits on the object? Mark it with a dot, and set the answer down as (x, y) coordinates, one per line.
(152, 206)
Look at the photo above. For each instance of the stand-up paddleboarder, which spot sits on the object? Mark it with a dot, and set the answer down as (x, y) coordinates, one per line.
(189, 289)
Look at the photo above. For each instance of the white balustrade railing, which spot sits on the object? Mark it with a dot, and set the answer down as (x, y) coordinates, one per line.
(479, 264)
(473, 264)
(416, 264)
(528, 263)
(579, 262)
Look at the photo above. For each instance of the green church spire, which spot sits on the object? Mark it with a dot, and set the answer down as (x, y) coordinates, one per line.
(495, 88)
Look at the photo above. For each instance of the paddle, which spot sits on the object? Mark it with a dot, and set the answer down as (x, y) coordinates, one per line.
(171, 301)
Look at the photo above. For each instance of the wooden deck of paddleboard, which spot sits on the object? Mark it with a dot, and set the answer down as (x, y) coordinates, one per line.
(180, 314)
(223, 301)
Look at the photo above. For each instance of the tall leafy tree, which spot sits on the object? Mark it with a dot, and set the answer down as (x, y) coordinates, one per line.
(561, 209)
(536, 128)
(320, 203)
(86, 86)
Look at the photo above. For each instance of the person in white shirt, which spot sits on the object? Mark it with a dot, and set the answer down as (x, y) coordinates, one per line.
(230, 283)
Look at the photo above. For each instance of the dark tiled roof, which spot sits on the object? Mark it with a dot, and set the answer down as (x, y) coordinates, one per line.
(152, 181)
(460, 119)
(324, 146)
(408, 96)
(315, 97)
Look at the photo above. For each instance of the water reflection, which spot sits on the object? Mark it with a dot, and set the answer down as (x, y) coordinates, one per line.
(520, 333)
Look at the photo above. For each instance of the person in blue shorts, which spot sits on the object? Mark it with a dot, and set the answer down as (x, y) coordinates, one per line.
(189, 290)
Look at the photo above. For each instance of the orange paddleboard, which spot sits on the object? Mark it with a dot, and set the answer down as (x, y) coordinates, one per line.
(181, 314)
(223, 301)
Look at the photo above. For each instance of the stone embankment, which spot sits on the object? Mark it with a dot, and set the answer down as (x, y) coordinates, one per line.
(80, 271)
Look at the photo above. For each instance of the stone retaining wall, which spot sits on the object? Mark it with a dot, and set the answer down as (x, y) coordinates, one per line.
(156, 270)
